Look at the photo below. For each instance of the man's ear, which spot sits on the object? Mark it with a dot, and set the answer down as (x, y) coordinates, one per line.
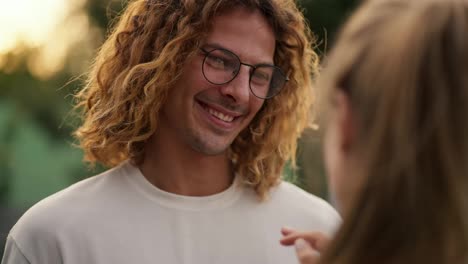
(345, 120)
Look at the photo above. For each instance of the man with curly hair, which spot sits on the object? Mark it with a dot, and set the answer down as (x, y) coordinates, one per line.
(196, 106)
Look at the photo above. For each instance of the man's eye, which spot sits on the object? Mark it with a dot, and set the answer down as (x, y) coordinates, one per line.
(261, 77)
(216, 62)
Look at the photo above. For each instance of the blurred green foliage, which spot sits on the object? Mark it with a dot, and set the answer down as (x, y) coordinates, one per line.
(325, 17)
(37, 157)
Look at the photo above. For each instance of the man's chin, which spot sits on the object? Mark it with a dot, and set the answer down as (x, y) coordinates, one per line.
(211, 149)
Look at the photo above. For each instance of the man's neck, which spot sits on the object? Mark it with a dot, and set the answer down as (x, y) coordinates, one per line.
(181, 170)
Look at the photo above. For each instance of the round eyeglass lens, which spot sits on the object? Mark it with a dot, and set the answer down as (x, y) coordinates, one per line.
(220, 66)
(266, 81)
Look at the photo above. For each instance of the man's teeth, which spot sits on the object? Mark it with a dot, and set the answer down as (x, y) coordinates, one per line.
(225, 118)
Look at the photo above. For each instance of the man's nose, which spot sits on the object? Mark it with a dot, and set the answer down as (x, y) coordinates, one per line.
(239, 88)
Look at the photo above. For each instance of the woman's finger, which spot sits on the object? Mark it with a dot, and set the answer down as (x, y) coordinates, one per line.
(285, 230)
(305, 253)
(317, 240)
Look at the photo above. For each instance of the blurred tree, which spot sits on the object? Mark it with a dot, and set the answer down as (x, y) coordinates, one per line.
(325, 17)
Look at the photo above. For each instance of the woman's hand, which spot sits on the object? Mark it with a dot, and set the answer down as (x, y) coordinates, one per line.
(309, 245)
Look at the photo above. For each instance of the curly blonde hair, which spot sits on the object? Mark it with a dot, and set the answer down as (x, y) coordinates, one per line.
(142, 58)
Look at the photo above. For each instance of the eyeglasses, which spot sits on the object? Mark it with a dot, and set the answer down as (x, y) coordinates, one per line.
(220, 66)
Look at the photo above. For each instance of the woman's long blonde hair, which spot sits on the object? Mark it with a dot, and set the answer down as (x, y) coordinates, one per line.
(404, 66)
(142, 58)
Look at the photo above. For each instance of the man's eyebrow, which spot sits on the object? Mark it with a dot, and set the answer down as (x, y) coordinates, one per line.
(212, 46)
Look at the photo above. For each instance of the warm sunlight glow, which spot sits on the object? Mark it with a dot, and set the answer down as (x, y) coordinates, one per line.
(48, 27)
(28, 21)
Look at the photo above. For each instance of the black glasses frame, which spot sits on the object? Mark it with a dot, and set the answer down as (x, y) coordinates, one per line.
(254, 67)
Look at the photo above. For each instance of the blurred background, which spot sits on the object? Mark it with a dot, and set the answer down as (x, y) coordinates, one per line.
(46, 46)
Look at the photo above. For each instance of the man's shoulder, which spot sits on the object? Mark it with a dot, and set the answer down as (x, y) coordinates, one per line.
(290, 193)
(304, 207)
(66, 207)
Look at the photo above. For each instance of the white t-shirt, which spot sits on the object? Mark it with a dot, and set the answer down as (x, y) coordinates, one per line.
(119, 217)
